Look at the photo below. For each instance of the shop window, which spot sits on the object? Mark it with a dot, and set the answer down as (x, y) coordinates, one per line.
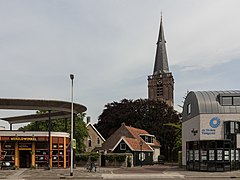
(226, 155)
(219, 155)
(237, 155)
(123, 146)
(211, 155)
(232, 155)
(55, 146)
(191, 155)
(204, 155)
(196, 155)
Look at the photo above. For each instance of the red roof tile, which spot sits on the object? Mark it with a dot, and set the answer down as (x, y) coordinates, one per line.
(132, 136)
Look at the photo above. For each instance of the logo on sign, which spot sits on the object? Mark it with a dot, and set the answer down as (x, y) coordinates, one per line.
(214, 122)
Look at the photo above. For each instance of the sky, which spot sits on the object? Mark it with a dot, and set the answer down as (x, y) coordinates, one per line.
(110, 47)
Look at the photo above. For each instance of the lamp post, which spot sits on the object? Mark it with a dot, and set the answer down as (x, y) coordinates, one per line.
(71, 166)
(141, 144)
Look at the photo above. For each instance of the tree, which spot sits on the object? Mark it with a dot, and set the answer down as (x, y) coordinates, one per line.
(178, 134)
(144, 114)
(58, 125)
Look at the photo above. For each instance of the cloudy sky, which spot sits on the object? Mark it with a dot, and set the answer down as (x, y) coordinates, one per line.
(110, 48)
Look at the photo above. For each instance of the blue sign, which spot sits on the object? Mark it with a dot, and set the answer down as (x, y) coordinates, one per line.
(214, 122)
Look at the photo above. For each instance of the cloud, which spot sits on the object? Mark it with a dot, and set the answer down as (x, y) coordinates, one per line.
(110, 47)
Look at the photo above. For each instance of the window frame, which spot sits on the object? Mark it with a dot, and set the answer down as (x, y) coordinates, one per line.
(121, 146)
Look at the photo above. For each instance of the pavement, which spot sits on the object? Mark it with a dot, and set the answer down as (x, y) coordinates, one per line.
(145, 172)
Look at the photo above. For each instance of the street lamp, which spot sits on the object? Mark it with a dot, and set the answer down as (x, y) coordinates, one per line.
(141, 144)
(71, 167)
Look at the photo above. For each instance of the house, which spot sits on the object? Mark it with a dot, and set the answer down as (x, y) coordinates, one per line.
(139, 142)
(211, 131)
(94, 140)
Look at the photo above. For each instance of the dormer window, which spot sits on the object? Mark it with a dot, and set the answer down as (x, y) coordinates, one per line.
(229, 99)
(147, 138)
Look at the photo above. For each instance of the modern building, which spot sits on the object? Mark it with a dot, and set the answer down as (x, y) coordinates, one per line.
(94, 140)
(211, 131)
(144, 146)
(161, 82)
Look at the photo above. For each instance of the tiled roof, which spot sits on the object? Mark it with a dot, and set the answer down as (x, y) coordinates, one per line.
(136, 133)
(132, 137)
(134, 143)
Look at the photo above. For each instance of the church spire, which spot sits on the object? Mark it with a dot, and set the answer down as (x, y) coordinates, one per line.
(161, 60)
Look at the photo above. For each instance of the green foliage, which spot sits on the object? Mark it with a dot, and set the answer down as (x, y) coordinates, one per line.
(82, 157)
(58, 125)
(120, 158)
(92, 156)
(144, 114)
(129, 162)
(111, 158)
(161, 158)
(178, 134)
(115, 157)
(180, 158)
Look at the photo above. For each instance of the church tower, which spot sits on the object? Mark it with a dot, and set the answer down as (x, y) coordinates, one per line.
(161, 83)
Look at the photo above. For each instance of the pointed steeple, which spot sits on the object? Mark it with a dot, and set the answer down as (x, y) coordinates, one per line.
(161, 60)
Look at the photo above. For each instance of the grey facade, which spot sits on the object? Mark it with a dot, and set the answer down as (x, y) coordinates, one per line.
(211, 130)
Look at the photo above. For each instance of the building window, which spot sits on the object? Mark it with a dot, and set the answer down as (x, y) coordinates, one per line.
(149, 139)
(98, 140)
(159, 88)
(227, 101)
(236, 101)
(89, 142)
(189, 109)
(123, 146)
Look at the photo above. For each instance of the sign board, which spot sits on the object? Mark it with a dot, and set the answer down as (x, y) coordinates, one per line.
(23, 139)
(74, 144)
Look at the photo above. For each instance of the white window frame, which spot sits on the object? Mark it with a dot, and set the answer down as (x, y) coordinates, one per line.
(125, 146)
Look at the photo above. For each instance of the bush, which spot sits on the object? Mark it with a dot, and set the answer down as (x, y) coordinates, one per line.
(120, 158)
(111, 158)
(82, 157)
(180, 158)
(161, 159)
(94, 157)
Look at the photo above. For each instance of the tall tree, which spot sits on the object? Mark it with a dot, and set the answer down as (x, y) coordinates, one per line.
(144, 114)
(58, 125)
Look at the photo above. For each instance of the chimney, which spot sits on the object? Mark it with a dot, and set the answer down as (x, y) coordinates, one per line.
(88, 119)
